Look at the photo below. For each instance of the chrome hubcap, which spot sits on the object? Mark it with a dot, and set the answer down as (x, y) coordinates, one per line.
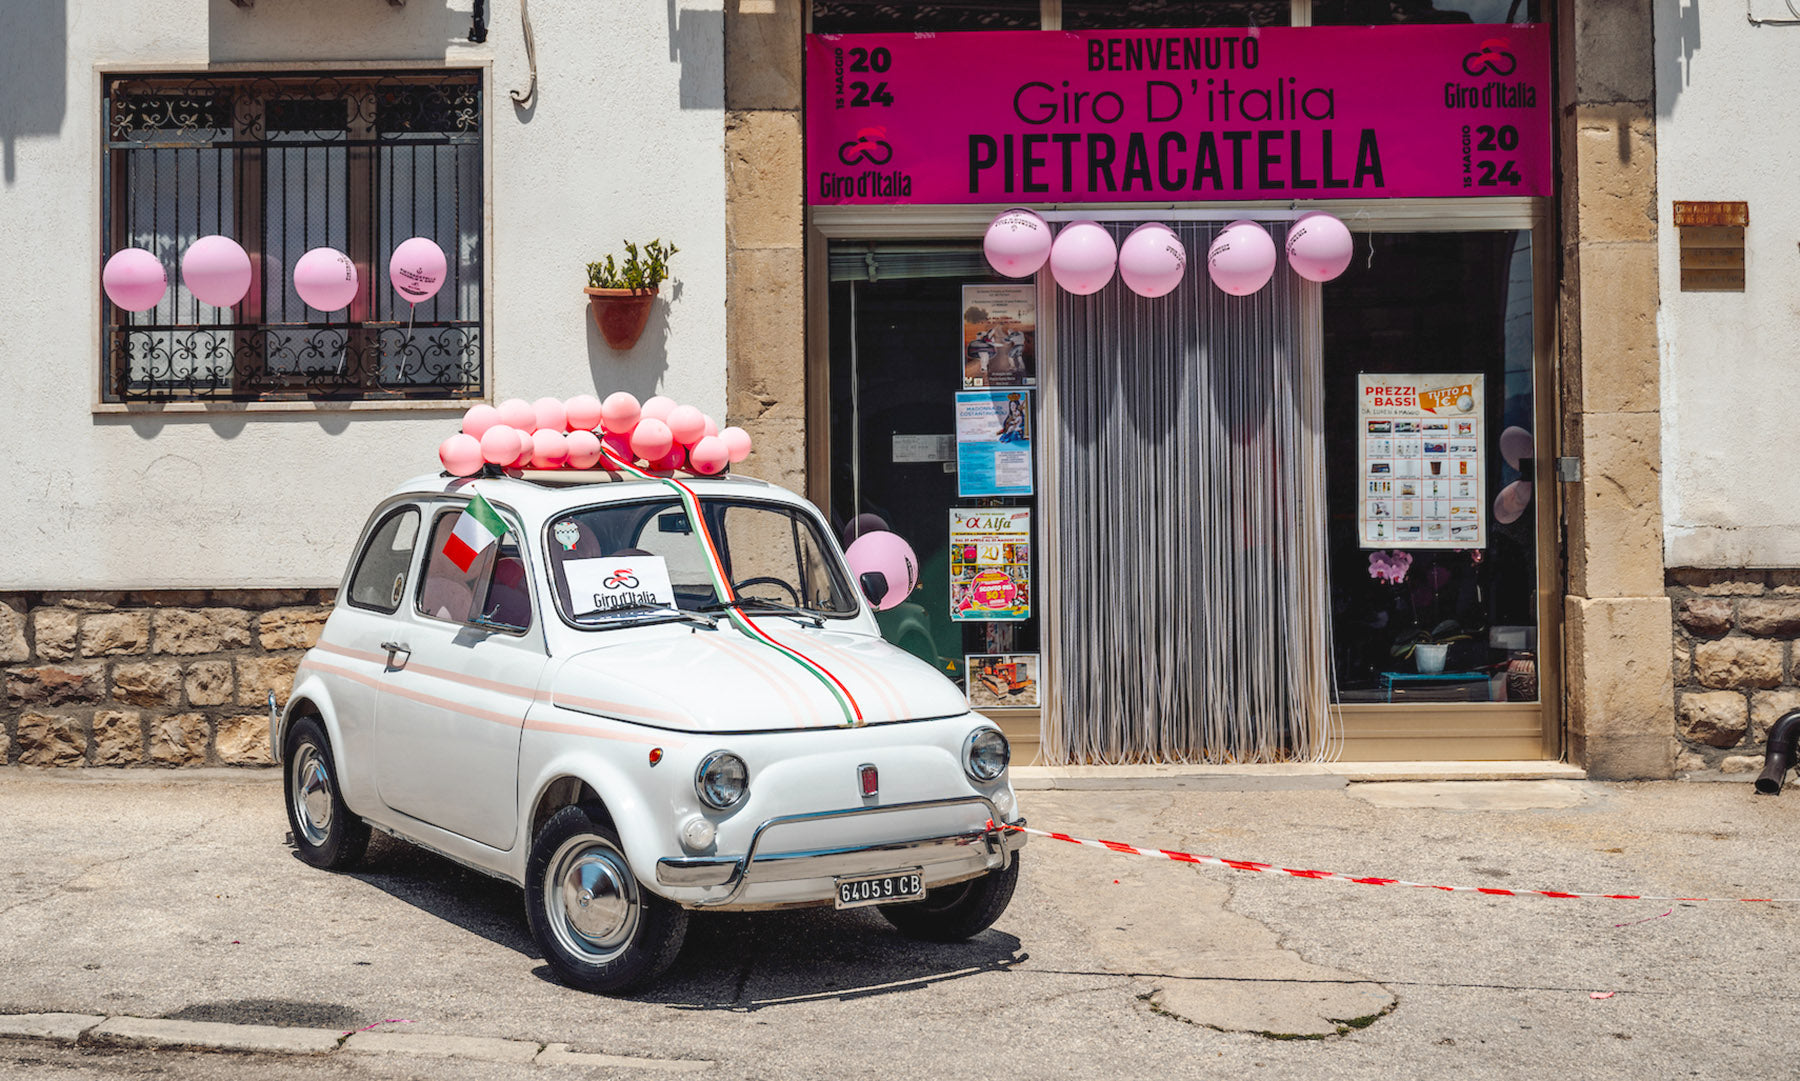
(312, 794)
(591, 898)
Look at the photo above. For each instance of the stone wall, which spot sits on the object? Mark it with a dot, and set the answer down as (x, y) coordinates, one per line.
(169, 678)
(1737, 663)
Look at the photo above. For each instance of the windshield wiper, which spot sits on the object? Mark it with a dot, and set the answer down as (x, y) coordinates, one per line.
(672, 613)
(759, 605)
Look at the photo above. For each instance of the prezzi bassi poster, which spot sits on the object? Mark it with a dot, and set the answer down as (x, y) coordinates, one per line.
(999, 336)
(1420, 438)
(990, 563)
(1318, 112)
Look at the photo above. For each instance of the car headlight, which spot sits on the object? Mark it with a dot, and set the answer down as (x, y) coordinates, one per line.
(722, 781)
(985, 754)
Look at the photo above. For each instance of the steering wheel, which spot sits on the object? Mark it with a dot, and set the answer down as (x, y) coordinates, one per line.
(738, 587)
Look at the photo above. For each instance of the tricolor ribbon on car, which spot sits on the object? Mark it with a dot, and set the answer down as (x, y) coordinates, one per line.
(1365, 880)
(715, 567)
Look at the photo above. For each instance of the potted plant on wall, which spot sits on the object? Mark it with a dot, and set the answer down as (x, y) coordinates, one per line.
(620, 294)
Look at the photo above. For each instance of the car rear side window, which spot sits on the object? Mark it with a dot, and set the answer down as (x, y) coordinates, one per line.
(491, 592)
(382, 567)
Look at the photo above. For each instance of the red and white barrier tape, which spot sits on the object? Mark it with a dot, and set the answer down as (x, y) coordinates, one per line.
(1369, 880)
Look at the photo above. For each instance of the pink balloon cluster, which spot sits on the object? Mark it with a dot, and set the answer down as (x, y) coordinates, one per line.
(584, 432)
(217, 270)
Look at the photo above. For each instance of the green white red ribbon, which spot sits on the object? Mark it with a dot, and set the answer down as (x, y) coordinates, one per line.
(715, 567)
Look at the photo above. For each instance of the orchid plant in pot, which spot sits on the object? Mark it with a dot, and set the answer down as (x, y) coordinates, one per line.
(1428, 643)
(620, 294)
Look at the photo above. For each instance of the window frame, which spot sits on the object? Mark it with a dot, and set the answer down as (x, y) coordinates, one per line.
(100, 371)
(364, 547)
(437, 514)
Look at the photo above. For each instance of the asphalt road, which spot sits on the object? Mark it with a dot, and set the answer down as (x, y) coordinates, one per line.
(176, 895)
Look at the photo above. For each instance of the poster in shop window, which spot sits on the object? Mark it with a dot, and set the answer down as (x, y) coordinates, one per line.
(999, 335)
(993, 442)
(1420, 440)
(990, 563)
(1002, 680)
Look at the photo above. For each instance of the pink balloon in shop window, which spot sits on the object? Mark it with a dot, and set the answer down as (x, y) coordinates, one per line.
(1515, 445)
(584, 449)
(890, 556)
(651, 439)
(1319, 246)
(1017, 243)
(1510, 504)
(687, 424)
(500, 444)
(710, 455)
(1242, 258)
(549, 448)
(1152, 260)
(326, 279)
(479, 419)
(657, 407)
(134, 279)
(417, 269)
(583, 412)
(1083, 257)
(550, 413)
(461, 454)
(620, 412)
(737, 443)
(517, 413)
(217, 270)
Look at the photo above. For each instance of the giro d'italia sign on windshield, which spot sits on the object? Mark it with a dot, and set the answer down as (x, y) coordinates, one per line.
(1154, 116)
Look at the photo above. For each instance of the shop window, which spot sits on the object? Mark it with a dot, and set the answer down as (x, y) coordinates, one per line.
(1390, 12)
(1433, 518)
(1172, 14)
(283, 163)
(877, 16)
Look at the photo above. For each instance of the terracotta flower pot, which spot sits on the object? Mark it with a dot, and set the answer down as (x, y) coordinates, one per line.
(620, 314)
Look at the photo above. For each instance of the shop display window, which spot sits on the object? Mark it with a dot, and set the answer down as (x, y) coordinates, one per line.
(887, 16)
(1169, 14)
(1389, 12)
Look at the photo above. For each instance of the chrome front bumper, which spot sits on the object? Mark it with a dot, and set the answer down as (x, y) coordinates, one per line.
(942, 859)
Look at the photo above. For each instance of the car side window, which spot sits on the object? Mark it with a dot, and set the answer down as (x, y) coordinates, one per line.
(493, 592)
(382, 566)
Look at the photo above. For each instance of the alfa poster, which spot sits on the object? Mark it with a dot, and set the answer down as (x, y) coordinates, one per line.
(993, 442)
(1420, 440)
(999, 336)
(990, 563)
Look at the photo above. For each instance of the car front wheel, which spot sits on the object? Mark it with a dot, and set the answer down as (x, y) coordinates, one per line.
(960, 912)
(599, 930)
(327, 833)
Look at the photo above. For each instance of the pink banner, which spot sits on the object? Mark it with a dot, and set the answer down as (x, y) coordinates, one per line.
(1178, 115)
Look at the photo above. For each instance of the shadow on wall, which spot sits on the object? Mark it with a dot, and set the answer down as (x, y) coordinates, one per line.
(697, 41)
(272, 30)
(640, 369)
(34, 74)
(1678, 39)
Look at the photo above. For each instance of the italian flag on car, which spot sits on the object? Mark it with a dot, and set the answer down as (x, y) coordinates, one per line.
(478, 527)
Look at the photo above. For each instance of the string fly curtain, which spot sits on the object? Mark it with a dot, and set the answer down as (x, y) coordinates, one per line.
(1188, 606)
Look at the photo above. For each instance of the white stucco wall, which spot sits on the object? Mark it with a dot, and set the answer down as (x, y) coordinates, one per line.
(624, 142)
(1726, 117)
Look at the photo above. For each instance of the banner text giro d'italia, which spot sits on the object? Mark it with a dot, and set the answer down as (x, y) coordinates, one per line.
(1170, 115)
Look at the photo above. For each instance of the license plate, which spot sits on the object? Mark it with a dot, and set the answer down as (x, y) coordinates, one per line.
(880, 889)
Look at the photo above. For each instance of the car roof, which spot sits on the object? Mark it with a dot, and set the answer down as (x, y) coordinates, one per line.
(544, 493)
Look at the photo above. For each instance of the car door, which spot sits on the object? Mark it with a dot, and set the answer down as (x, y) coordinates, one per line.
(457, 688)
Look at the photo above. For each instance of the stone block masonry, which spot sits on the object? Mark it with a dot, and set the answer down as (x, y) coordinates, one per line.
(1736, 665)
(153, 679)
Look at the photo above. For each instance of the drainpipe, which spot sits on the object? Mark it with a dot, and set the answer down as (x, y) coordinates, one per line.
(1779, 754)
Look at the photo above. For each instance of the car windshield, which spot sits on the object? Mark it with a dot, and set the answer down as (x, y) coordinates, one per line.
(626, 562)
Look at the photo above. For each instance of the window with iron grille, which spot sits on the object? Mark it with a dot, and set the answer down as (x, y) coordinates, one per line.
(282, 163)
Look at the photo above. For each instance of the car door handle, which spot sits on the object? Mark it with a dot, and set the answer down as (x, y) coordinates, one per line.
(397, 647)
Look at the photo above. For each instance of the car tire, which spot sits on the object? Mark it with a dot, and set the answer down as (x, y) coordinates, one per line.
(327, 834)
(957, 913)
(625, 940)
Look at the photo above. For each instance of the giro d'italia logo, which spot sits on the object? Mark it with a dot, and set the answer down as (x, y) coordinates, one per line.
(868, 146)
(1492, 56)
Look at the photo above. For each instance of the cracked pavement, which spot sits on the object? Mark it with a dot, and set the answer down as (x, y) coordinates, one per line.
(174, 894)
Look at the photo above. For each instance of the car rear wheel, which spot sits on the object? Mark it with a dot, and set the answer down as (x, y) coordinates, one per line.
(327, 833)
(960, 912)
(599, 930)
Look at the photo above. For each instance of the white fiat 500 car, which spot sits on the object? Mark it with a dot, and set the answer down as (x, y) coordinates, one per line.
(578, 711)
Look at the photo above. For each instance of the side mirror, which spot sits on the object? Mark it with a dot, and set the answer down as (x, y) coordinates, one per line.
(874, 585)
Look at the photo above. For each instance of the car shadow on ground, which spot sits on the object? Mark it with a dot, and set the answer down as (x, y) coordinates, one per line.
(731, 961)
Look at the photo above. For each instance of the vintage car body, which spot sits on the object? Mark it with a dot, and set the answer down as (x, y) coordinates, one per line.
(472, 729)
